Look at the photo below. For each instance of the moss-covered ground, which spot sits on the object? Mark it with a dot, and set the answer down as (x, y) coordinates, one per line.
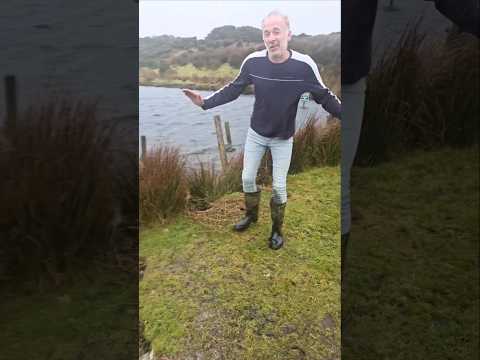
(411, 286)
(96, 318)
(210, 293)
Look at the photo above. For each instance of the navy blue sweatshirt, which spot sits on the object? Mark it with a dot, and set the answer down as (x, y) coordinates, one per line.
(278, 88)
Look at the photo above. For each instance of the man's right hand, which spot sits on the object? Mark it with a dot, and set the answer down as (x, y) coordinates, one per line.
(196, 98)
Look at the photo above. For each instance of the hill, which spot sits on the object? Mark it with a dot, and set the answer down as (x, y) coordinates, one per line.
(161, 57)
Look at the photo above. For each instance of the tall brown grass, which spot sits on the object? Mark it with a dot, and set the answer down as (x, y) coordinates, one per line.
(56, 188)
(204, 185)
(316, 146)
(450, 100)
(163, 184)
(421, 94)
(207, 184)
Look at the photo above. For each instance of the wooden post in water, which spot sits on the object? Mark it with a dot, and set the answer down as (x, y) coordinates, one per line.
(221, 144)
(143, 140)
(229, 136)
(11, 102)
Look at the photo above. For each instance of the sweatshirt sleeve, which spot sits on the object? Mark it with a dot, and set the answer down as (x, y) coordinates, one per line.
(464, 13)
(230, 91)
(320, 93)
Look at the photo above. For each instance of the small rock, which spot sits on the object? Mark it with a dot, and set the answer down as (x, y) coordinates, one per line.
(328, 322)
(288, 329)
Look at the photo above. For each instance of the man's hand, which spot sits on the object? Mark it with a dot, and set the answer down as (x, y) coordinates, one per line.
(196, 98)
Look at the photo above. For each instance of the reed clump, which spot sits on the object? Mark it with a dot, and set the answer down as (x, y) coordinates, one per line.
(315, 146)
(57, 188)
(421, 94)
(163, 184)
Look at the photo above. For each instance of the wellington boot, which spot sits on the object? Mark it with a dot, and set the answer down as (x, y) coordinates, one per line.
(277, 240)
(252, 203)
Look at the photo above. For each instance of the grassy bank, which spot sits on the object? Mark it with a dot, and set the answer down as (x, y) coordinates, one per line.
(412, 272)
(96, 318)
(168, 187)
(189, 76)
(210, 293)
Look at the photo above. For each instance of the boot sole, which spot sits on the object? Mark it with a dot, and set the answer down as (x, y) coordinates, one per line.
(275, 247)
(243, 229)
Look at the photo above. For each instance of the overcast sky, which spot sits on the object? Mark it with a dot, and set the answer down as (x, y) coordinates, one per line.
(198, 18)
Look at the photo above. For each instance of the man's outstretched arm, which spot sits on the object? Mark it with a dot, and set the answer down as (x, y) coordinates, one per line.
(320, 93)
(329, 101)
(226, 94)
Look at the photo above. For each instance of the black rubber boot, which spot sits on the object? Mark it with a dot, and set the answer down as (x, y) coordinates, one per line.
(278, 213)
(252, 202)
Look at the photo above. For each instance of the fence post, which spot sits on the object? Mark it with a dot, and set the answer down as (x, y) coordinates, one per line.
(144, 146)
(10, 102)
(229, 136)
(221, 144)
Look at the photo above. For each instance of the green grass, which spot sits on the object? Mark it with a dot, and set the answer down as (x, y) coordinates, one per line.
(90, 320)
(210, 292)
(189, 71)
(413, 261)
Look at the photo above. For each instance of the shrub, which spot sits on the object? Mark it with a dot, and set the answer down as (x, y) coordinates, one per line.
(316, 146)
(163, 185)
(231, 178)
(56, 188)
(421, 96)
(449, 110)
(328, 148)
(203, 185)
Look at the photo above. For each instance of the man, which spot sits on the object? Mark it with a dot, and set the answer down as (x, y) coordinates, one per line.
(280, 76)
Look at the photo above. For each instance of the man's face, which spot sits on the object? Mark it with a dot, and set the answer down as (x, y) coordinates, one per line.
(276, 35)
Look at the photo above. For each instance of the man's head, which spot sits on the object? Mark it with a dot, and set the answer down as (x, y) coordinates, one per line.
(276, 35)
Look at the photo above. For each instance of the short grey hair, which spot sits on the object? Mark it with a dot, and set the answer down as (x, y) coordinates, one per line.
(277, 13)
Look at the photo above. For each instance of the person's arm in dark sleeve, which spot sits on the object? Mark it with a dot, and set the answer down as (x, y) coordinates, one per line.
(329, 102)
(463, 13)
(230, 91)
(321, 94)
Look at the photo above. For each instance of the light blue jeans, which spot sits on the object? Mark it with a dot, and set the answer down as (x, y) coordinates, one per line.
(281, 150)
(353, 102)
